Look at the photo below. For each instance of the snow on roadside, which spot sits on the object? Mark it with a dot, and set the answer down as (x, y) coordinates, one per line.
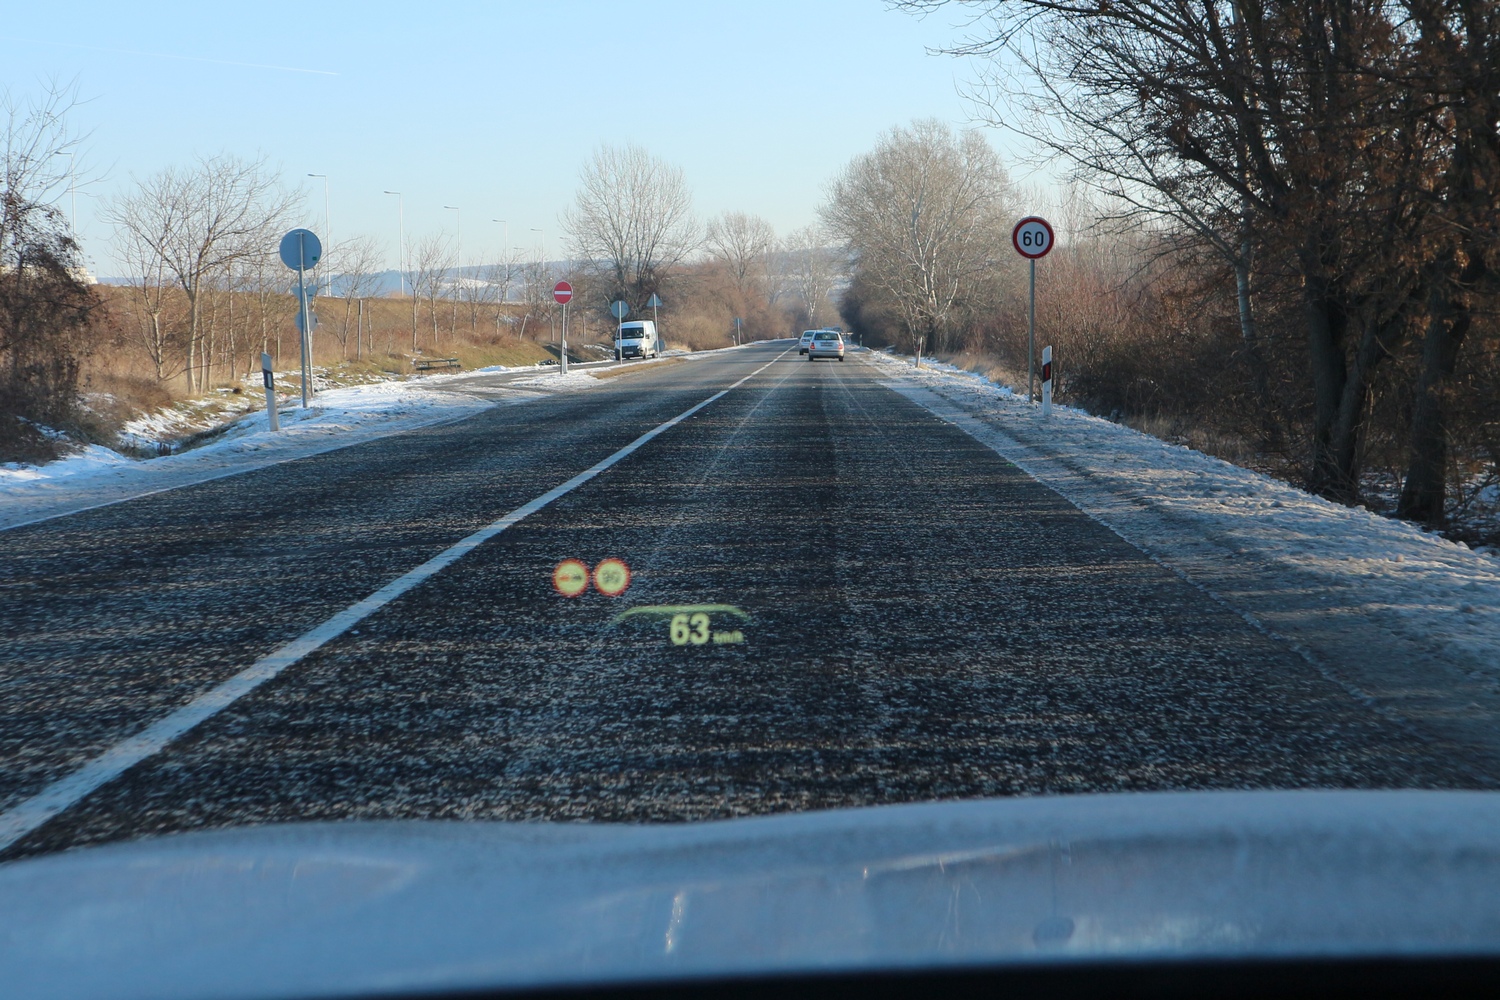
(555, 380)
(338, 418)
(1413, 583)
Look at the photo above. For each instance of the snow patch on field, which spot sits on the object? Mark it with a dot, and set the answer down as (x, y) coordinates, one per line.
(337, 418)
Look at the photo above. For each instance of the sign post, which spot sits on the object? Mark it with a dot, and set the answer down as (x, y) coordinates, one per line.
(1046, 381)
(619, 309)
(1032, 239)
(270, 379)
(655, 303)
(300, 251)
(562, 292)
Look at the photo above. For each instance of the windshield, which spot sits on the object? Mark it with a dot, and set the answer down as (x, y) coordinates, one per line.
(1128, 509)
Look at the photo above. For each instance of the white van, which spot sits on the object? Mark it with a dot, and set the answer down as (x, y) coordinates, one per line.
(637, 339)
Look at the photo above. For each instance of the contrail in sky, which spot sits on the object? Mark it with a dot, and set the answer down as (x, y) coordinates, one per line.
(168, 55)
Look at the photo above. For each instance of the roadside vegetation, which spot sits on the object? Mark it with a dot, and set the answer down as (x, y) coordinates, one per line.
(1280, 243)
(158, 361)
(47, 312)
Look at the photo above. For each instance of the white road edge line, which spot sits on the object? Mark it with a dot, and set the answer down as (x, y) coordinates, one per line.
(66, 792)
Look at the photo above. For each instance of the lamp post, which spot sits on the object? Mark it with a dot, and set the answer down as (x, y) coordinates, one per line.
(327, 230)
(400, 240)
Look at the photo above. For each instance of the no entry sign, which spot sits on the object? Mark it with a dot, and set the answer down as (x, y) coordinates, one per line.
(562, 292)
(1032, 237)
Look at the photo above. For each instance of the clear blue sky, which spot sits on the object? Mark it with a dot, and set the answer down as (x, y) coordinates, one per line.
(490, 107)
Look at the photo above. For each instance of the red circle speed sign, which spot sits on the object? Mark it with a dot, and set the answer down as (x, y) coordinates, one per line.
(1032, 237)
(562, 291)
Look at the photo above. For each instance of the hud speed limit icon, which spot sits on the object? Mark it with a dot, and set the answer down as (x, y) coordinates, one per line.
(611, 577)
(1032, 237)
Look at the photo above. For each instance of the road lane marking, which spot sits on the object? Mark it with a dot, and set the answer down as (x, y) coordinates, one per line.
(62, 794)
(374, 434)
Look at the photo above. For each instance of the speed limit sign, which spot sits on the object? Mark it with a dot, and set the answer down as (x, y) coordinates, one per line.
(1032, 237)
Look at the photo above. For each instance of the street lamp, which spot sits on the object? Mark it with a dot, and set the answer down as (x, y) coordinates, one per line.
(401, 240)
(327, 230)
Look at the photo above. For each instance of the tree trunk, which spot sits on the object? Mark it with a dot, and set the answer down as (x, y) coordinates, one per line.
(193, 334)
(1375, 346)
(1327, 324)
(1424, 494)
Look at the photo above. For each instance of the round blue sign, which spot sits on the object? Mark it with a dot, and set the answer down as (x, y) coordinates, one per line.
(301, 249)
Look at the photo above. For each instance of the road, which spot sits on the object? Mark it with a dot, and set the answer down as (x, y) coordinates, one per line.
(920, 620)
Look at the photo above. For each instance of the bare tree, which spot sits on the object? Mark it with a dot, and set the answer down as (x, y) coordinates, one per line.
(632, 218)
(536, 295)
(35, 135)
(743, 244)
(44, 305)
(354, 267)
(266, 278)
(430, 261)
(1459, 65)
(1296, 132)
(813, 270)
(924, 215)
(200, 220)
(152, 283)
(488, 290)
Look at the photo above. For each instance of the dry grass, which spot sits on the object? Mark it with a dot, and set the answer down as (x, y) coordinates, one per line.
(990, 367)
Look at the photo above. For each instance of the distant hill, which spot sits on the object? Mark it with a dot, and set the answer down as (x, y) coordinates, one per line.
(387, 282)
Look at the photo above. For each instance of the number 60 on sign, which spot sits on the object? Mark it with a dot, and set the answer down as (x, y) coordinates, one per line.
(1032, 237)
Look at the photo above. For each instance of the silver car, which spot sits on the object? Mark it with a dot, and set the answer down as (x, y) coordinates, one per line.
(807, 336)
(825, 344)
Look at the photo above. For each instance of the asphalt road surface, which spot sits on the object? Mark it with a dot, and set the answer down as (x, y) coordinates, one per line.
(894, 614)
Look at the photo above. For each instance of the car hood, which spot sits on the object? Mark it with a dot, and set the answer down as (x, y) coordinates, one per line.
(337, 909)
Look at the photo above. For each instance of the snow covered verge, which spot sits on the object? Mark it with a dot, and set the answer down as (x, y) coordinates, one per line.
(338, 418)
(1400, 616)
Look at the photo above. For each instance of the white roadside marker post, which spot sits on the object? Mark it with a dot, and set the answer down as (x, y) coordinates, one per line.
(1032, 239)
(270, 379)
(1046, 381)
